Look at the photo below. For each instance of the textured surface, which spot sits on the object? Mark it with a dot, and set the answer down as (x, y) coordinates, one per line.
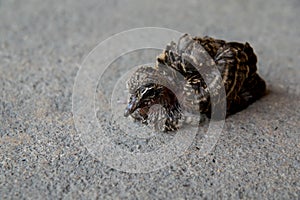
(41, 46)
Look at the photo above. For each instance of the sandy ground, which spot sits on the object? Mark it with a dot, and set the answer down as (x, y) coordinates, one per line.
(43, 43)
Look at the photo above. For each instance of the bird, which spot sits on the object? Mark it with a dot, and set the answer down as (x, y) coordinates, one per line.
(189, 75)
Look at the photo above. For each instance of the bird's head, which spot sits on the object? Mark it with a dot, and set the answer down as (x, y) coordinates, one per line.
(145, 96)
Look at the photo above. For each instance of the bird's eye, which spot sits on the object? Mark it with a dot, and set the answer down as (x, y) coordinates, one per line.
(148, 92)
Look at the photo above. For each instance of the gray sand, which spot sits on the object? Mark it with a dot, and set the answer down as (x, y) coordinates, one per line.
(43, 43)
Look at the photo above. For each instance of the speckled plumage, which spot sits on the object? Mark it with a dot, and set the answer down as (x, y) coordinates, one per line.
(175, 83)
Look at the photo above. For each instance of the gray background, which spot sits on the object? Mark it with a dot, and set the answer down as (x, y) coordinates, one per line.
(42, 44)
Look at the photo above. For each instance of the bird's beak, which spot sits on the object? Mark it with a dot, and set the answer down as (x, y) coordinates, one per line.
(131, 107)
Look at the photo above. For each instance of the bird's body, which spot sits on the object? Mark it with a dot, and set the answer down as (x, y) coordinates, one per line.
(183, 78)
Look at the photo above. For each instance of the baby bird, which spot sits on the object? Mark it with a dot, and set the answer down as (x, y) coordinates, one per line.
(179, 81)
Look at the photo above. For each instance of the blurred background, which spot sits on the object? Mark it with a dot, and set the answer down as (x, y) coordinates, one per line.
(42, 44)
